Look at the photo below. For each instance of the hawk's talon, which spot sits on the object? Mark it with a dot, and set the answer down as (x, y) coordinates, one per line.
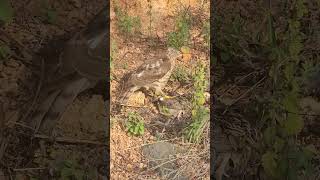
(165, 97)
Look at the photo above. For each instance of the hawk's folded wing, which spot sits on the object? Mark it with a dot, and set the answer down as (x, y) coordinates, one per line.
(151, 71)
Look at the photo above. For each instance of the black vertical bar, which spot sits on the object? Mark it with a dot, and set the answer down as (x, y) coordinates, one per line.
(213, 52)
(107, 149)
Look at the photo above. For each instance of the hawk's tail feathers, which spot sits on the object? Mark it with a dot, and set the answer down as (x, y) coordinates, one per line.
(52, 108)
(124, 97)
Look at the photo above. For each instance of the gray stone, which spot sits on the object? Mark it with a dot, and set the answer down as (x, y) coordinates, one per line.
(162, 156)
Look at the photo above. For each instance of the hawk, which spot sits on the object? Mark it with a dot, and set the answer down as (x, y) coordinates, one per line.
(152, 74)
(80, 65)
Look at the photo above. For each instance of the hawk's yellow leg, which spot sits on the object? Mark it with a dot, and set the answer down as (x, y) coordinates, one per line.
(160, 94)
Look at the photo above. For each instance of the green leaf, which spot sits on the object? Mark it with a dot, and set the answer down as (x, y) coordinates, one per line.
(278, 144)
(68, 163)
(269, 163)
(311, 149)
(305, 156)
(78, 174)
(4, 51)
(51, 16)
(269, 135)
(272, 35)
(136, 129)
(201, 100)
(283, 166)
(225, 57)
(294, 124)
(92, 173)
(131, 129)
(292, 174)
(302, 159)
(141, 130)
(6, 11)
(65, 173)
(289, 71)
(290, 102)
(301, 8)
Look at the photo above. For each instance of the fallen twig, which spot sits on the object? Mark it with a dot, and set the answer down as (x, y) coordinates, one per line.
(235, 84)
(29, 169)
(69, 140)
(30, 108)
(126, 105)
(244, 94)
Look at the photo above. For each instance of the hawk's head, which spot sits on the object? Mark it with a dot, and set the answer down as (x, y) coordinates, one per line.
(173, 54)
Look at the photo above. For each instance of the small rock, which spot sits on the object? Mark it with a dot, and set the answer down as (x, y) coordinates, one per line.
(161, 153)
(312, 103)
(141, 165)
(207, 96)
(129, 166)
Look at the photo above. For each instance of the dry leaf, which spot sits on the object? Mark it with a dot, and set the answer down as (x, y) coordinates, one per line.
(186, 54)
(312, 103)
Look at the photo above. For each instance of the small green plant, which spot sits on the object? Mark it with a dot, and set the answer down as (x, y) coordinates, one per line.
(51, 15)
(67, 168)
(127, 25)
(180, 36)
(6, 11)
(65, 165)
(181, 74)
(229, 41)
(135, 124)
(71, 169)
(283, 154)
(4, 51)
(284, 157)
(164, 110)
(200, 113)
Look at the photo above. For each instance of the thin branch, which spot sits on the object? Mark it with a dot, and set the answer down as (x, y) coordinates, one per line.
(69, 140)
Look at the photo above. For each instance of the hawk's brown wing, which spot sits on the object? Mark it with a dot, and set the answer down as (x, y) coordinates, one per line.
(82, 63)
(149, 72)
